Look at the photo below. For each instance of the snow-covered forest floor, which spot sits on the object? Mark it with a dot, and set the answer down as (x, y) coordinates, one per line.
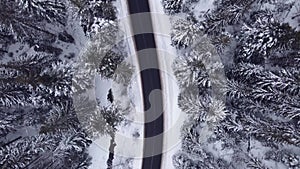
(129, 135)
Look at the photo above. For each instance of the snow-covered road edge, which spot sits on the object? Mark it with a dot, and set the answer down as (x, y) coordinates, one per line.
(128, 147)
(173, 116)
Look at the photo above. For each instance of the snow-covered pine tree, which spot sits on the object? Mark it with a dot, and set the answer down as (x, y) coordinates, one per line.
(194, 105)
(83, 76)
(263, 107)
(61, 119)
(198, 74)
(193, 155)
(223, 16)
(223, 40)
(203, 108)
(97, 120)
(14, 95)
(39, 84)
(124, 73)
(36, 88)
(288, 158)
(94, 14)
(55, 83)
(185, 33)
(104, 40)
(189, 70)
(214, 76)
(71, 150)
(287, 59)
(21, 153)
(7, 123)
(109, 64)
(24, 20)
(201, 66)
(89, 116)
(50, 10)
(262, 100)
(264, 36)
(112, 116)
(172, 6)
(181, 161)
(61, 150)
(274, 90)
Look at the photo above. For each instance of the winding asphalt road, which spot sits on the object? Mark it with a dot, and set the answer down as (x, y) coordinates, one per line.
(150, 76)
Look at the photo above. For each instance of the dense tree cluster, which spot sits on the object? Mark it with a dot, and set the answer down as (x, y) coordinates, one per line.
(36, 92)
(62, 150)
(257, 124)
(23, 20)
(42, 78)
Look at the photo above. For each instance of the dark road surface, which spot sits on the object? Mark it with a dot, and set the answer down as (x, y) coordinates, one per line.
(150, 77)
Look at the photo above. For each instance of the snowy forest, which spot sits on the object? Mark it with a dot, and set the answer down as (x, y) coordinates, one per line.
(238, 68)
(50, 53)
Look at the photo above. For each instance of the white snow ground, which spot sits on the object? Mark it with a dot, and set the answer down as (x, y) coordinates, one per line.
(129, 137)
(174, 117)
(129, 142)
(99, 149)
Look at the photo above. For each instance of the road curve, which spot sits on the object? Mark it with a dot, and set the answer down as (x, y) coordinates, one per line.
(150, 78)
